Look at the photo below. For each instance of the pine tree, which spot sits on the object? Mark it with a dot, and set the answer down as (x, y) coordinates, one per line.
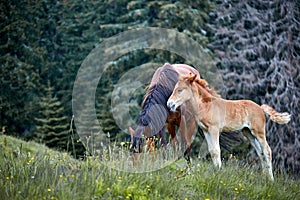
(26, 57)
(52, 126)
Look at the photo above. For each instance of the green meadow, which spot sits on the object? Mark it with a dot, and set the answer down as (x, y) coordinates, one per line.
(32, 171)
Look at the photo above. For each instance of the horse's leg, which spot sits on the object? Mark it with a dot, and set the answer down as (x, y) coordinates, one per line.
(162, 141)
(212, 139)
(185, 139)
(172, 131)
(263, 150)
(190, 130)
(253, 141)
(162, 138)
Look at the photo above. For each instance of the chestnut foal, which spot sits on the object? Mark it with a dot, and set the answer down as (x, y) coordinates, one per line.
(214, 115)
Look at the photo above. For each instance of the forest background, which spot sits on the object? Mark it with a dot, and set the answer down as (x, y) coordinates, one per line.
(255, 44)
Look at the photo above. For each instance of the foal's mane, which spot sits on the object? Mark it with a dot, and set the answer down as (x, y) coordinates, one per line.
(202, 83)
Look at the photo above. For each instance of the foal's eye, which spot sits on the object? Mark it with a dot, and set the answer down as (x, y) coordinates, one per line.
(179, 90)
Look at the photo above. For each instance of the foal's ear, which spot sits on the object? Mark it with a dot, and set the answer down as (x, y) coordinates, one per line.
(192, 78)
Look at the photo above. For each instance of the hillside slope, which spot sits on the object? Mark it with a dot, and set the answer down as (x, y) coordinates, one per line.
(32, 171)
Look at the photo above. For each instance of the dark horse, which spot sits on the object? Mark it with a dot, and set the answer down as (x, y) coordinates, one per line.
(155, 113)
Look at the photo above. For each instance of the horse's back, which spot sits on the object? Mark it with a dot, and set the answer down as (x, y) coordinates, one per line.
(179, 68)
(155, 77)
(185, 69)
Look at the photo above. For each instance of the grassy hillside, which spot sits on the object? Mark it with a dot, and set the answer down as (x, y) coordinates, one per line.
(32, 171)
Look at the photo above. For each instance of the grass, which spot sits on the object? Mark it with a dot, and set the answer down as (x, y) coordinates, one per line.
(33, 171)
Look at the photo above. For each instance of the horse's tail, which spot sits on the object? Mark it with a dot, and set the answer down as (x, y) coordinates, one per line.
(280, 118)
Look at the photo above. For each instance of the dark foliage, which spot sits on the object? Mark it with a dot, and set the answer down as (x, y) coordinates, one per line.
(258, 45)
(48, 40)
(256, 42)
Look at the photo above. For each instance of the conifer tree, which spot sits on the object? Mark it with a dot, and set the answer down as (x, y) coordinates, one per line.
(52, 126)
(25, 57)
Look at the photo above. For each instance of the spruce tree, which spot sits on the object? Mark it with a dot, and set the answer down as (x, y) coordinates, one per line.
(52, 125)
(26, 55)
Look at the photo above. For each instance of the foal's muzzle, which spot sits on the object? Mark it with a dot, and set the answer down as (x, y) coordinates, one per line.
(171, 104)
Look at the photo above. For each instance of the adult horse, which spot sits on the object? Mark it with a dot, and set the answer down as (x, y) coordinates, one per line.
(214, 114)
(155, 113)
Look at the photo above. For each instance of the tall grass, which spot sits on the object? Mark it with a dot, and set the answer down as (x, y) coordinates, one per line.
(32, 171)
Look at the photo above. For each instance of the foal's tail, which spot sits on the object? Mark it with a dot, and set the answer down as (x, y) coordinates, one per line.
(280, 118)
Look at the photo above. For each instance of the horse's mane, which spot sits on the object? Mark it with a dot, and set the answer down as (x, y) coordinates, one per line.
(154, 106)
(201, 82)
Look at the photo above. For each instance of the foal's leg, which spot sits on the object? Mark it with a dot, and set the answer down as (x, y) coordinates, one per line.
(267, 154)
(212, 139)
(259, 142)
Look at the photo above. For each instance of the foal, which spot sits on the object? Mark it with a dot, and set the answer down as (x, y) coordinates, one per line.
(214, 115)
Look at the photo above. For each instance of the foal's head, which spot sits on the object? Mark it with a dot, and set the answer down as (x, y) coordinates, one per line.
(186, 87)
(182, 91)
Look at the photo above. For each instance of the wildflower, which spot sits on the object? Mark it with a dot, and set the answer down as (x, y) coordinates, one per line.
(64, 155)
(108, 189)
(31, 160)
(148, 187)
(206, 199)
(236, 189)
(49, 190)
(61, 176)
